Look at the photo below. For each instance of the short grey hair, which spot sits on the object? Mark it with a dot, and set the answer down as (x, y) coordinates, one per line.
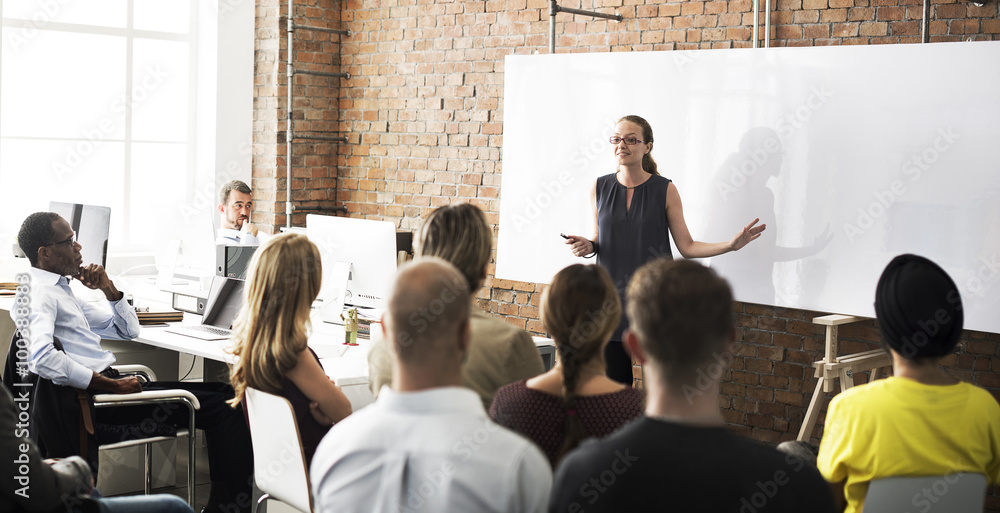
(228, 187)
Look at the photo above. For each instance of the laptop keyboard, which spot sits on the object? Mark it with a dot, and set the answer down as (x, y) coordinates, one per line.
(209, 329)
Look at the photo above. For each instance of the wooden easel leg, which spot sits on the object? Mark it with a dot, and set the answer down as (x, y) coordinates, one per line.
(846, 378)
(812, 413)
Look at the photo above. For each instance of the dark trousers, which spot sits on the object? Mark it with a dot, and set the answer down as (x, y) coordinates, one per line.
(618, 363)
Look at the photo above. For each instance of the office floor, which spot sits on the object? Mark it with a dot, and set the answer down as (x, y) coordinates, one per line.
(204, 487)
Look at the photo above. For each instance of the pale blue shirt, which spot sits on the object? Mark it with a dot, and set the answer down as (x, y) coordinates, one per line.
(435, 451)
(230, 237)
(53, 311)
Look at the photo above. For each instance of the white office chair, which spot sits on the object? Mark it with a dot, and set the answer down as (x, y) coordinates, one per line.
(279, 464)
(954, 493)
(182, 397)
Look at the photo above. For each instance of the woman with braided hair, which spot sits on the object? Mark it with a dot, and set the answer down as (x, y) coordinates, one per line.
(575, 399)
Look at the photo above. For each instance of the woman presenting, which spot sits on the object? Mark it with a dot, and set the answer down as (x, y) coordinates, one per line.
(635, 209)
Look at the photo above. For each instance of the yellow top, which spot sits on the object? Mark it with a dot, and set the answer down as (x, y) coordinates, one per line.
(899, 427)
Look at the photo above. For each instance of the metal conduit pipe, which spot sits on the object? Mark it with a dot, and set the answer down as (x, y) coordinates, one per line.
(290, 72)
(756, 23)
(554, 9)
(767, 23)
(289, 132)
(925, 34)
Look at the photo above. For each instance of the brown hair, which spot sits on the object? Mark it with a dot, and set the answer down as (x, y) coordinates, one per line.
(270, 331)
(228, 187)
(648, 164)
(681, 312)
(580, 311)
(459, 234)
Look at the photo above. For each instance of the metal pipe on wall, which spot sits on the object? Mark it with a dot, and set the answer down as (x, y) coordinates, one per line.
(756, 23)
(554, 9)
(925, 34)
(767, 23)
(288, 122)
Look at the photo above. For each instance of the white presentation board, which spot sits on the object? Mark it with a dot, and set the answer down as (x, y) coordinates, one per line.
(851, 155)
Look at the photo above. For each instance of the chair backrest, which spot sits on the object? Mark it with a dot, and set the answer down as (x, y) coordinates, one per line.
(953, 493)
(279, 462)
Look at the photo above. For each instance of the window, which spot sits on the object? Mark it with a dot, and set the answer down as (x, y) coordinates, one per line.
(104, 103)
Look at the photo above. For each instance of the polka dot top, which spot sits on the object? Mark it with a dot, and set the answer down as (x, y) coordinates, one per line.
(539, 416)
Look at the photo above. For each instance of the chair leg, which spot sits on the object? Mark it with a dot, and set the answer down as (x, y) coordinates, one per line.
(148, 464)
(256, 506)
(192, 439)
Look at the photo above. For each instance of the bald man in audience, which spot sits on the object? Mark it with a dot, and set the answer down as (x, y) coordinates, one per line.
(427, 444)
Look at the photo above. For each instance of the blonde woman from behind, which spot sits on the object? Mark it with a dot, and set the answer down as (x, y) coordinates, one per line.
(272, 333)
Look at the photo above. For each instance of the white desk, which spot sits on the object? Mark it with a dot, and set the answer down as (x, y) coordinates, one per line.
(346, 365)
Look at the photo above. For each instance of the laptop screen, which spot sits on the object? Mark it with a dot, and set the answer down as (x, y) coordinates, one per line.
(224, 302)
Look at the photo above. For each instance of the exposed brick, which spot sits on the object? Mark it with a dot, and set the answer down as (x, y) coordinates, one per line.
(756, 336)
(759, 366)
(771, 353)
(424, 114)
(787, 341)
(788, 398)
(874, 28)
(760, 394)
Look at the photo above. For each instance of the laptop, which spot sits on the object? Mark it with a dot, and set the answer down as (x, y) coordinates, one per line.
(224, 301)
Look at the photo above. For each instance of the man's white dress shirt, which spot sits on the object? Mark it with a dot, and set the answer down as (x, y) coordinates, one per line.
(229, 237)
(53, 311)
(434, 451)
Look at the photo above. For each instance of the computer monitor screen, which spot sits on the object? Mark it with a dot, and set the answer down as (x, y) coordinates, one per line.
(369, 246)
(92, 225)
(224, 302)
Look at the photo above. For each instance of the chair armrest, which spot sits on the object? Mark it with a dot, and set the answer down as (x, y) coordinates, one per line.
(148, 396)
(137, 369)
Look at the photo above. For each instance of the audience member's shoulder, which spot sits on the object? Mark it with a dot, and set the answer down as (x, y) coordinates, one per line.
(512, 391)
(596, 449)
(984, 399)
(633, 394)
(854, 396)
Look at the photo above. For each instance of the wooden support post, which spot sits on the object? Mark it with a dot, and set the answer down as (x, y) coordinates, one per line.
(834, 367)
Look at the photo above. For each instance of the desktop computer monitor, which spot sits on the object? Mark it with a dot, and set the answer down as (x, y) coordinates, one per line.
(92, 225)
(233, 261)
(369, 247)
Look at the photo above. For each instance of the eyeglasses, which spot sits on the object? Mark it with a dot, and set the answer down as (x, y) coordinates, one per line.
(631, 141)
(69, 241)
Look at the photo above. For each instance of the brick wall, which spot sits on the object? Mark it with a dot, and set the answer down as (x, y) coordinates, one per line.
(422, 111)
(315, 110)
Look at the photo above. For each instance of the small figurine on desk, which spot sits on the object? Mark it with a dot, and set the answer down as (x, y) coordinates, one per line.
(350, 327)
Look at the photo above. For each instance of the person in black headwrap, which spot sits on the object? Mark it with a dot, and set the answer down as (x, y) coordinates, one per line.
(922, 421)
(919, 309)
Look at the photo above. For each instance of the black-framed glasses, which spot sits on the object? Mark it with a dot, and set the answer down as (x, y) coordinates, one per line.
(631, 141)
(69, 241)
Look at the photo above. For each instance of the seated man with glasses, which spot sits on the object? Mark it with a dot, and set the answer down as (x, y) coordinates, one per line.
(60, 335)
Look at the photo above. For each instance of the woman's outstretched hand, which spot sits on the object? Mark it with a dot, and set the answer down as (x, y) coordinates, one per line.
(581, 246)
(747, 234)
